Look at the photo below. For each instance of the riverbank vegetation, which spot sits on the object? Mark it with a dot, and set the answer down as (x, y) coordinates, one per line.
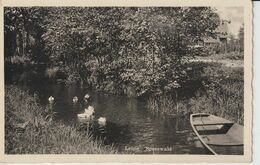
(29, 129)
(131, 51)
(221, 94)
(140, 52)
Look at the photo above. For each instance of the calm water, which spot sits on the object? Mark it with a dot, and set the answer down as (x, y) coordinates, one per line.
(130, 128)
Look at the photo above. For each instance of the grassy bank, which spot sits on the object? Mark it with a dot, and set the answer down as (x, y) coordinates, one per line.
(29, 129)
(225, 56)
(221, 94)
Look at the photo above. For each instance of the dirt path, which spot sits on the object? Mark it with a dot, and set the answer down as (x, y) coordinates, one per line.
(224, 62)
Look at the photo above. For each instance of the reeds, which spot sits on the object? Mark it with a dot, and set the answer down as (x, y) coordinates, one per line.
(224, 97)
(166, 105)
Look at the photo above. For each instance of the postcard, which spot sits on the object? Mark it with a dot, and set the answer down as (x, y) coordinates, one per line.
(126, 81)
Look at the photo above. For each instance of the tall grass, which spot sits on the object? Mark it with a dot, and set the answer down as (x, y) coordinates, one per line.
(29, 129)
(236, 55)
(226, 102)
(167, 106)
(222, 95)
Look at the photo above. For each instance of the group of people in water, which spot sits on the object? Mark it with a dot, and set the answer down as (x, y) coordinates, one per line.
(88, 114)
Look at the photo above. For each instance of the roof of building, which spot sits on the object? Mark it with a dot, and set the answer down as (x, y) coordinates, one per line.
(223, 27)
(222, 32)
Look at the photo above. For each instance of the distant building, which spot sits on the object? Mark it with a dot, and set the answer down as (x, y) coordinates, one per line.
(221, 35)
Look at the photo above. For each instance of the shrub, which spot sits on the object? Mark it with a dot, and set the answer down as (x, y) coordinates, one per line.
(73, 78)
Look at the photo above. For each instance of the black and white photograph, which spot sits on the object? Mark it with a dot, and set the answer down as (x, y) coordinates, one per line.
(120, 80)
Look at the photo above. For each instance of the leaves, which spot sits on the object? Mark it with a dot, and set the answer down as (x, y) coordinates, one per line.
(142, 47)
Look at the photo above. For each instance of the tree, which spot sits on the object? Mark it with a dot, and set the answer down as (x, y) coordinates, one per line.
(113, 44)
(23, 30)
(241, 38)
(232, 44)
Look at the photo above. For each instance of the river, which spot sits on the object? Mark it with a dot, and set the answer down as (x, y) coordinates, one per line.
(130, 127)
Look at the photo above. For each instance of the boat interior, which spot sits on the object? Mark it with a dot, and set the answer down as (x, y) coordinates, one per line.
(218, 131)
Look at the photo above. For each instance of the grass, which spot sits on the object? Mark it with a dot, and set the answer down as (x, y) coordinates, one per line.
(226, 56)
(29, 129)
(234, 56)
(221, 95)
(166, 105)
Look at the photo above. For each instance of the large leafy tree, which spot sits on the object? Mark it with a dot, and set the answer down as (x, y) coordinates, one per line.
(142, 47)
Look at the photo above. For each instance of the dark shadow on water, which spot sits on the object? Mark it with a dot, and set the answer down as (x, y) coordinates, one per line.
(130, 127)
(110, 134)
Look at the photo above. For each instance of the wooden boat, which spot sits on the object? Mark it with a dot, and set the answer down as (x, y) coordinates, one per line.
(218, 135)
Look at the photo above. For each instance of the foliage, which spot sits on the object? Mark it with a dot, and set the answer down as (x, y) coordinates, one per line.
(23, 28)
(29, 129)
(241, 38)
(166, 106)
(233, 44)
(222, 96)
(113, 49)
(20, 60)
(138, 47)
(52, 72)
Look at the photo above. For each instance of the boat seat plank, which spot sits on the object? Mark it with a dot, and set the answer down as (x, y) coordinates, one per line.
(208, 127)
(210, 120)
(222, 140)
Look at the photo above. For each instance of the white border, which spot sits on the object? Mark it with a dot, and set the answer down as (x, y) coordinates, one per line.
(136, 158)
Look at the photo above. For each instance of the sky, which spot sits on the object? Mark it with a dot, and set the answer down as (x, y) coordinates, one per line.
(235, 15)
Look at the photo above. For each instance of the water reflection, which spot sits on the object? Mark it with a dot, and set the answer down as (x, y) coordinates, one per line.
(129, 126)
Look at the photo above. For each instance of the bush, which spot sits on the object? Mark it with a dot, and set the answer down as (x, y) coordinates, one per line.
(73, 78)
